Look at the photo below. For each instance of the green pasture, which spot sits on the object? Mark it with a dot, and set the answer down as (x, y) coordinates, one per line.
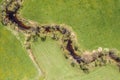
(56, 67)
(95, 22)
(15, 63)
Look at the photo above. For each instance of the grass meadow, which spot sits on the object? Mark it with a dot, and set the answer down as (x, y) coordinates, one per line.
(96, 24)
(56, 67)
(15, 63)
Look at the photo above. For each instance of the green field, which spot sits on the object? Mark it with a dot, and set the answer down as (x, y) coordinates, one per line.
(95, 22)
(14, 60)
(56, 67)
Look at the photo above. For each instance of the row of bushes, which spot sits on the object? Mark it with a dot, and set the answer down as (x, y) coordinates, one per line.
(65, 36)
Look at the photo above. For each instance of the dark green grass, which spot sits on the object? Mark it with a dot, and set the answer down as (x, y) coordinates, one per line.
(15, 63)
(96, 23)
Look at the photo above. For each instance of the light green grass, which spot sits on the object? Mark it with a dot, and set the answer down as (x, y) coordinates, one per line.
(96, 22)
(15, 63)
(56, 67)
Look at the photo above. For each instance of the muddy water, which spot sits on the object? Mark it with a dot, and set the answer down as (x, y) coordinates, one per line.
(11, 16)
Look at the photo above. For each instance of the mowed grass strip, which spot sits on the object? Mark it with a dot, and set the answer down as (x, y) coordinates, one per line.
(96, 23)
(56, 67)
(52, 61)
(15, 63)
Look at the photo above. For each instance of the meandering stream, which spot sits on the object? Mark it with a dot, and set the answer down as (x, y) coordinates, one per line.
(68, 36)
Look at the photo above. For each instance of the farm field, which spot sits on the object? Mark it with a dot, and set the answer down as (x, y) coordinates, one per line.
(56, 67)
(96, 24)
(14, 60)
